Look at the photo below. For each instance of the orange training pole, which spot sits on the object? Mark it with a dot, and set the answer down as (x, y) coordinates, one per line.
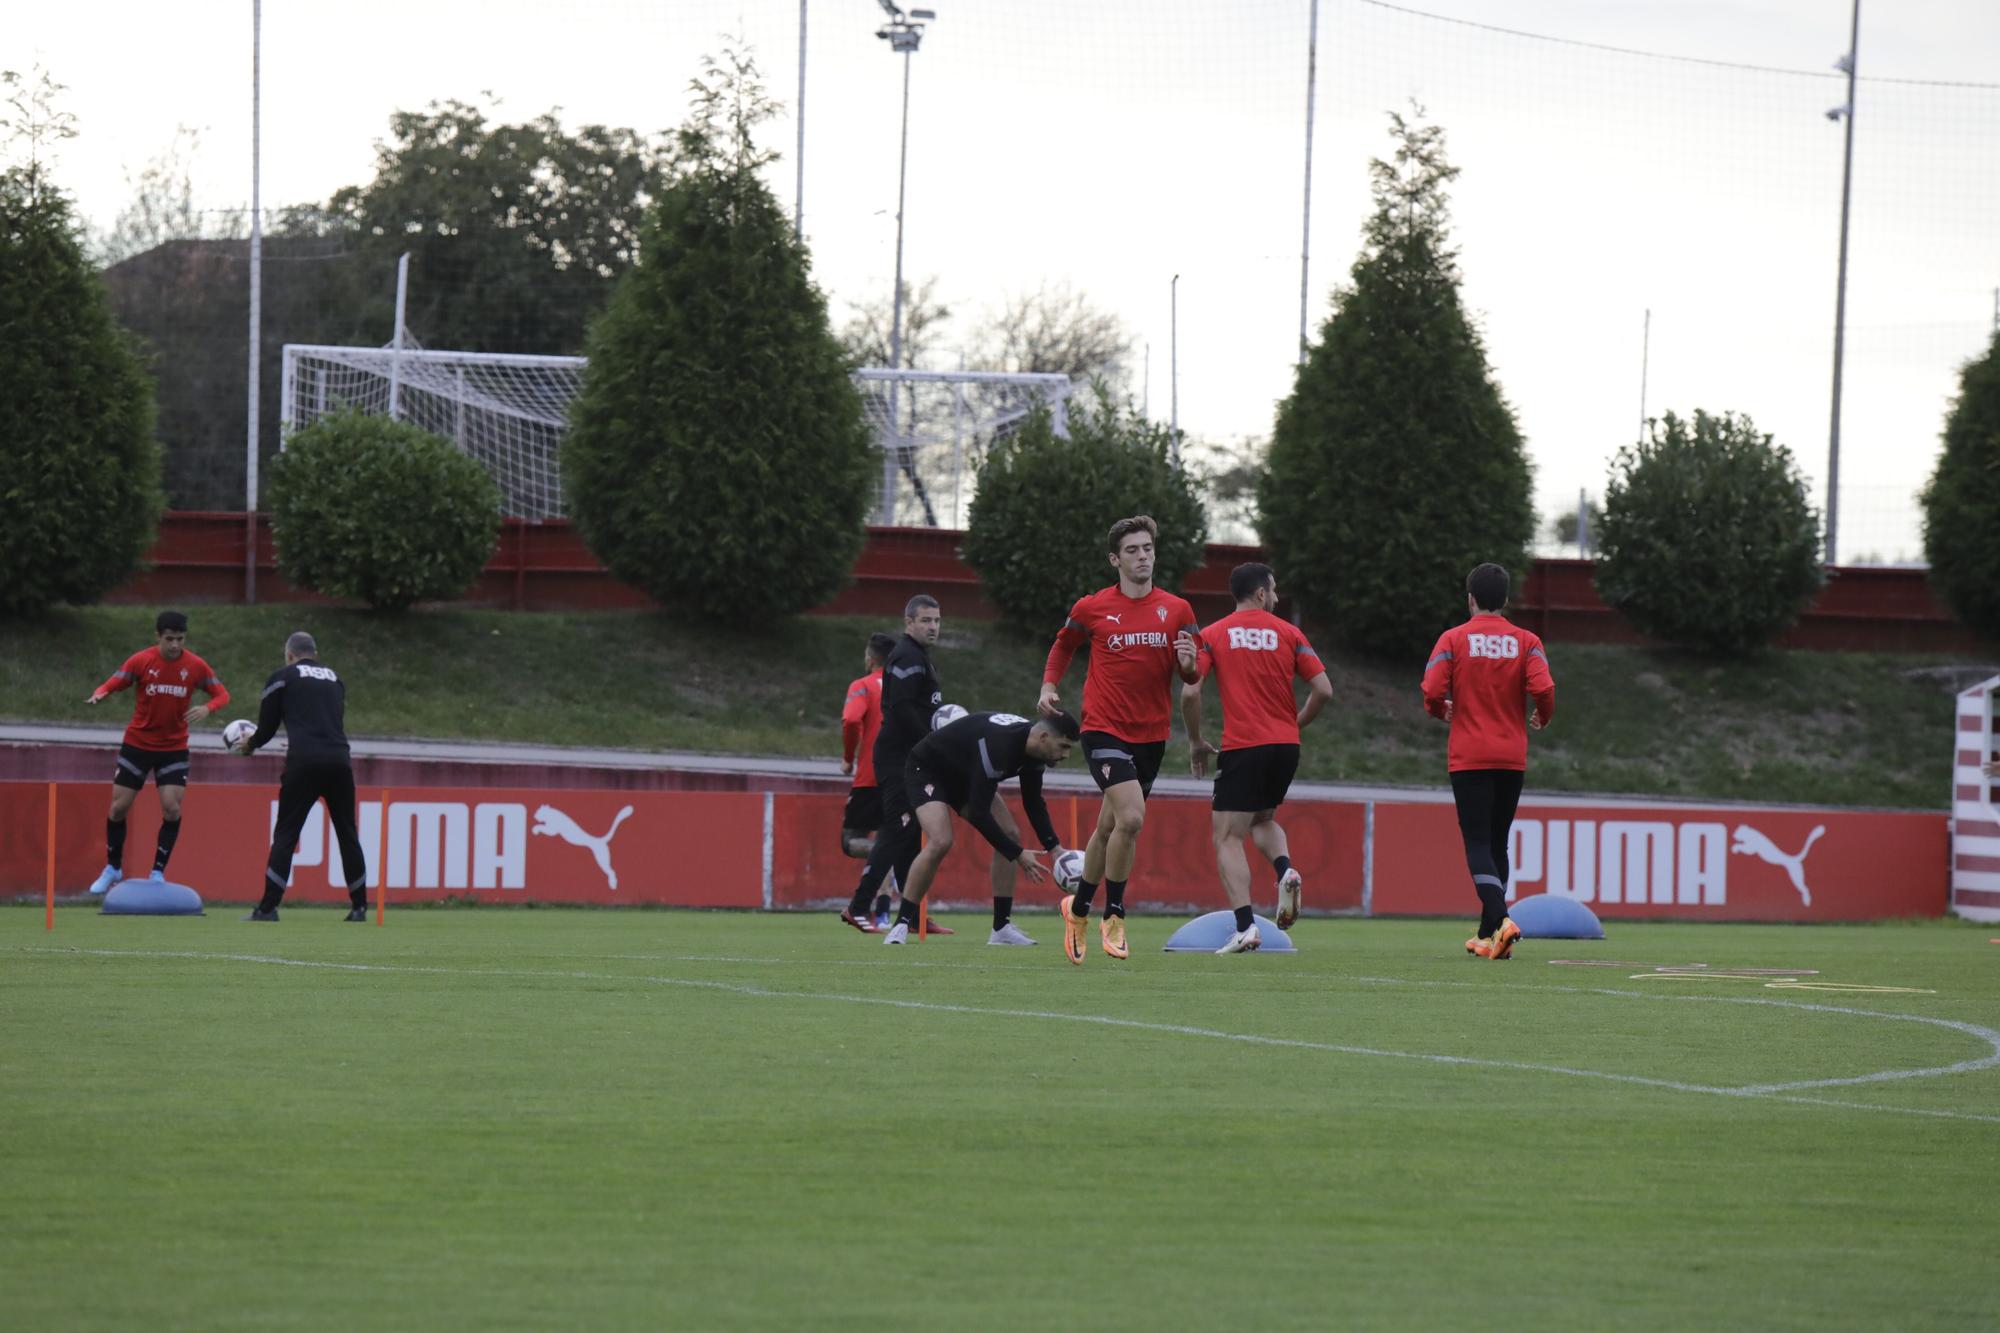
(49, 894)
(382, 857)
(1072, 823)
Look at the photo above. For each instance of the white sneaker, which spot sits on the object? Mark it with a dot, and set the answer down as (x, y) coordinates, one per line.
(1288, 899)
(1243, 941)
(1009, 934)
(102, 884)
(898, 934)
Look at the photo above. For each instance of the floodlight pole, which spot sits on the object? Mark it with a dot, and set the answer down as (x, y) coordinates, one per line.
(1846, 113)
(799, 191)
(1174, 365)
(1305, 244)
(256, 300)
(904, 33)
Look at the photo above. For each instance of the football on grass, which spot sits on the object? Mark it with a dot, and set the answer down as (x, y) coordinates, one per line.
(237, 732)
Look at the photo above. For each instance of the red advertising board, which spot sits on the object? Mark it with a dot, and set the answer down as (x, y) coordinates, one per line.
(1695, 864)
(1176, 863)
(691, 849)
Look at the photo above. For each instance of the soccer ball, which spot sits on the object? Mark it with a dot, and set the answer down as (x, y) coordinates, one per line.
(238, 732)
(1068, 870)
(946, 715)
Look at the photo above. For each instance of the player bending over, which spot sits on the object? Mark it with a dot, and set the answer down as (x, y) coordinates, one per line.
(156, 740)
(960, 767)
(1480, 679)
(1255, 657)
(1128, 705)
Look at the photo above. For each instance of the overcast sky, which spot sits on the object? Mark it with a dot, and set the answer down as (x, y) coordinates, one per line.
(1115, 144)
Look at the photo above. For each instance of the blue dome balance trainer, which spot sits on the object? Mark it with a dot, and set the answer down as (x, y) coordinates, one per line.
(151, 897)
(1206, 934)
(1546, 916)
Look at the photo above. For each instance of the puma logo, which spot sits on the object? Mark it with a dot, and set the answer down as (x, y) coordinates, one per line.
(1118, 619)
(1749, 842)
(553, 823)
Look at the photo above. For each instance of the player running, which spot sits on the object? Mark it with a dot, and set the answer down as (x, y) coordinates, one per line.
(960, 767)
(910, 694)
(1479, 679)
(156, 740)
(1128, 706)
(309, 701)
(860, 720)
(1254, 656)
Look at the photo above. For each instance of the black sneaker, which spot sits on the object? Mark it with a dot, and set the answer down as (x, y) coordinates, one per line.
(356, 914)
(258, 914)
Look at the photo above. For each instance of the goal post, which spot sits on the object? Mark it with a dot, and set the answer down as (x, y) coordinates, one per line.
(511, 412)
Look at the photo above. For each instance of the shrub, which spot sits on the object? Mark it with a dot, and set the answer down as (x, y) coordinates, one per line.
(81, 498)
(380, 511)
(1035, 535)
(1708, 540)
(1962, 500)
(718, 459)
(1395, 465)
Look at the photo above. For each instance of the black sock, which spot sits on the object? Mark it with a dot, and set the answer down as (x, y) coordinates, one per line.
(1080, 904)
(881, 904)
(1245, 918)
(1492, 908)
(857, 906)
(272, 897)
(1281, 865)
(114, 842)
(1003, 912)
(357, 896)
(908, 916)
(170, 832)
(1114, 897)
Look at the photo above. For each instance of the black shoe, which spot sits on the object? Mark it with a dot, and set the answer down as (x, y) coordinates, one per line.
(259, 914)
(356, 914)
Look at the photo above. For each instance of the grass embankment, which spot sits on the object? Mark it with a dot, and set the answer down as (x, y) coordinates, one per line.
(1839, 728)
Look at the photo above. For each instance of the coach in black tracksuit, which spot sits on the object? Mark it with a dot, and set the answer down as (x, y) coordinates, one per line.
(311, 703)
(910, 694)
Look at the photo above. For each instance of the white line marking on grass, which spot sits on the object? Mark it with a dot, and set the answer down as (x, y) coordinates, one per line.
(1768, 1091)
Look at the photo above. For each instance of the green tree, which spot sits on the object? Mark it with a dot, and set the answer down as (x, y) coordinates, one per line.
(517, 234)
(1962, 500)
(1396, 465)
(81, 499)
(380, 511)
(1036, 532)
(717, 457)
(1708, 540)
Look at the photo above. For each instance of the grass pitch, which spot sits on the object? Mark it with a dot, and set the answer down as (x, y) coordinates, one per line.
(541, 1119)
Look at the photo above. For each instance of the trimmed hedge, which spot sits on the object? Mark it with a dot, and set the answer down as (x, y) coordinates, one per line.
(1708, 540)
(381, 511)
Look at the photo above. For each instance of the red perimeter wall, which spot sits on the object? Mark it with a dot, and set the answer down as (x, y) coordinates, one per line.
(545, 566)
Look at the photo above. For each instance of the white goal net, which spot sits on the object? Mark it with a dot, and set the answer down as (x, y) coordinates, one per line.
(511, 413)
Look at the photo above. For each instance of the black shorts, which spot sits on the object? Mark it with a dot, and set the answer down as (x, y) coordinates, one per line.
(864, 810)
(1112, 761)
(924, 785)
(1255, 778)
(168, 767)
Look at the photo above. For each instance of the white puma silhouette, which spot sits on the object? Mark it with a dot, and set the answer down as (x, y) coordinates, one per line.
(1749, 842)
(1118, 619)
(553, 823)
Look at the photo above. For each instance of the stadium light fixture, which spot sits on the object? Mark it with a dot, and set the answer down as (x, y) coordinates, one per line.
(1843, 112)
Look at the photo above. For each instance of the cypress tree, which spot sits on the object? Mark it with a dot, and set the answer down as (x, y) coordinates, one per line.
(1396, 464)
(718, 458)
(1962, 500)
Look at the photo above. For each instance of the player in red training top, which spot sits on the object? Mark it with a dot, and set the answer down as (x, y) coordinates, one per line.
(1479, 679)
(1255, 656)
(162, 677)
(1128, 705)
(860, 719)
